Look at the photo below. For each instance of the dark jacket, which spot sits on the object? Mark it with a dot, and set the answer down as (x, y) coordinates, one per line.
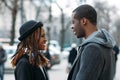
(3, 56)
(25, 71)
(95, 59)
(72, 55)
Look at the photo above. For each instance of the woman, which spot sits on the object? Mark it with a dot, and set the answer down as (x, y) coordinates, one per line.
(28, 60)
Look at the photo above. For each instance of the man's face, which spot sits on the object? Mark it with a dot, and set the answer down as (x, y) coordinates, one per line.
(77, 27)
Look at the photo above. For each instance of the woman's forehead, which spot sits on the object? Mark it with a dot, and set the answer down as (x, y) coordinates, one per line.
(42, 30)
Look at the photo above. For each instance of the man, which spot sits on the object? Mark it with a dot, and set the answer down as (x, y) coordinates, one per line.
(72, 54)
(3, 58)
(95, 59)
(71, 57)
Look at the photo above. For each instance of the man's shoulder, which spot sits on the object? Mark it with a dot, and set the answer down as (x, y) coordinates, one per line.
(92, 44)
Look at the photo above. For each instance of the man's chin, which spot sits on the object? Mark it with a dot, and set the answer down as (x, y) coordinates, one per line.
(77, 36)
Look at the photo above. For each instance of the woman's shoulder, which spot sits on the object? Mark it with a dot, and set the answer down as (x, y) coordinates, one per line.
(24, 60)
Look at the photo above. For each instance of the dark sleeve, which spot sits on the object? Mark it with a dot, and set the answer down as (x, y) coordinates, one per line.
(91, 63)
(23, 71)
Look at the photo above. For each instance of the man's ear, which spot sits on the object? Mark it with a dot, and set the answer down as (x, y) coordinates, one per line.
(84, 21)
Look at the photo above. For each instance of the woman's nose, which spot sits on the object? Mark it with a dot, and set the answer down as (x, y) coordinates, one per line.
(45, 40)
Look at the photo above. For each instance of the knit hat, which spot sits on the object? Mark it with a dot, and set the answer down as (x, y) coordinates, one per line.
(28, 28)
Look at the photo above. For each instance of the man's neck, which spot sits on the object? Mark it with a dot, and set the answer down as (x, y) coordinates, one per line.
(90, 30)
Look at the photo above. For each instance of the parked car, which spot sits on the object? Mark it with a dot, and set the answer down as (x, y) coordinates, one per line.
(54, 50)
(10, 51)
(66, 52)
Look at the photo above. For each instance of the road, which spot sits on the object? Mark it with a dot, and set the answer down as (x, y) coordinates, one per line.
(58, 72)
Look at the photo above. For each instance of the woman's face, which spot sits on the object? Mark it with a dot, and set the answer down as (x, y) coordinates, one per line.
(42, 41)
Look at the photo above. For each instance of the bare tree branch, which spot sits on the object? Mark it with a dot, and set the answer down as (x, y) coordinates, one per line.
(4, 1)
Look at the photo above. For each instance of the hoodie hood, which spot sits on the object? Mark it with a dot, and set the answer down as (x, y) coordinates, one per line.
(101, 37)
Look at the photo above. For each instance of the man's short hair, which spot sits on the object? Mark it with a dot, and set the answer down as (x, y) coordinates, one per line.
(86, 11)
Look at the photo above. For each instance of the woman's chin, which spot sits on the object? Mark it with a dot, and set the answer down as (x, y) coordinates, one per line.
(43, 47)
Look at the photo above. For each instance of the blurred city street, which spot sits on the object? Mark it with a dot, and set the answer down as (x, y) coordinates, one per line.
(58, 72)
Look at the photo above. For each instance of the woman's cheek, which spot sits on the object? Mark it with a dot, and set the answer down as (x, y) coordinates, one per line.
(43, 47)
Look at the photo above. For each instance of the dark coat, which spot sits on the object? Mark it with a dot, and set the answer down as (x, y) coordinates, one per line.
(95, 62)
(3, 56)
(25, 71)
(72, 55)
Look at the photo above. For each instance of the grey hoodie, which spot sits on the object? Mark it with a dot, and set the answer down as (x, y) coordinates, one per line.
(101, 37)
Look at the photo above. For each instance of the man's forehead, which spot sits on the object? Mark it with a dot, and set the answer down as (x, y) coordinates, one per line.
(73, 15)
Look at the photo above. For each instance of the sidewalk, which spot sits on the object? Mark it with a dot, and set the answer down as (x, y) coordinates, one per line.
(9, 77)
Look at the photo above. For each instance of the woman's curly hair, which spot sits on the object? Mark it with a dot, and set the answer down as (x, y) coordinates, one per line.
(30, 46)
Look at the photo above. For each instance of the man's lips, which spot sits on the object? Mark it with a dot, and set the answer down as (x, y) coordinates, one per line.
(74, 32)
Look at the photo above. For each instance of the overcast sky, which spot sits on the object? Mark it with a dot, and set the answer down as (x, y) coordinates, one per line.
(72, 4)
